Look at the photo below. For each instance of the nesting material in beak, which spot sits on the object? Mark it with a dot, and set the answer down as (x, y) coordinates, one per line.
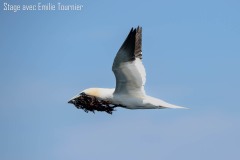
(91, 103)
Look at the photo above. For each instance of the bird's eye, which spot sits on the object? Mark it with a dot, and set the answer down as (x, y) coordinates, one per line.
(82, 93)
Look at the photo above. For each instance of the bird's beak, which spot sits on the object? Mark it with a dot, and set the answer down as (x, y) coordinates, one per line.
(71, 101)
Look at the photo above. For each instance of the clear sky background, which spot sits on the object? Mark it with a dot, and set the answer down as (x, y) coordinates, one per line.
(191, 52)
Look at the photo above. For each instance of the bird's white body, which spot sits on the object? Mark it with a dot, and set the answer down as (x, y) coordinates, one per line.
(127, 100)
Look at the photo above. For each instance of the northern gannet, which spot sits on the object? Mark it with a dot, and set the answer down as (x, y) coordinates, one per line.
(130, 80)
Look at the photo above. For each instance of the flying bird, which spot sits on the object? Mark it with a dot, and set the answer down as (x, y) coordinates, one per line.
(130, 77)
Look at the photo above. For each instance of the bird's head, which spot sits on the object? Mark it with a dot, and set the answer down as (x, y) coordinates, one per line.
(90, 100)
(90, 92)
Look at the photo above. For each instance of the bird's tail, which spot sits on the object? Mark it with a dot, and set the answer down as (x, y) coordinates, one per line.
(178, 107)
(164, 104)
(171, 106)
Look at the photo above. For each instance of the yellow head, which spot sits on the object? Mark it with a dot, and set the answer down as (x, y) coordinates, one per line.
(92, 92)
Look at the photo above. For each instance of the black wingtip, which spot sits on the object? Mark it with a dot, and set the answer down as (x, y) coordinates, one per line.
(131, 47)
(134, 39)
(138, 43)
(131, 30)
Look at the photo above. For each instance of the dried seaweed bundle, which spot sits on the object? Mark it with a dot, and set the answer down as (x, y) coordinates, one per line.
(92, 104)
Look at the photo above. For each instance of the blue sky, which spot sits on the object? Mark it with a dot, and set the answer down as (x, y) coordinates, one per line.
(191, 53)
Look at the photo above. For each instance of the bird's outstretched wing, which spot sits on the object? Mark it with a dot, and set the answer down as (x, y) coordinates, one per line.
(127, 66)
